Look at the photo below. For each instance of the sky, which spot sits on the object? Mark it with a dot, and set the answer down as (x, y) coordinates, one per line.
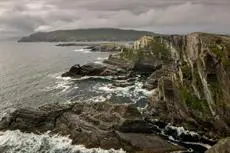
(23, 17)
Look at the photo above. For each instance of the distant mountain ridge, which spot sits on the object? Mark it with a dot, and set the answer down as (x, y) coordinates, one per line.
(96, 34)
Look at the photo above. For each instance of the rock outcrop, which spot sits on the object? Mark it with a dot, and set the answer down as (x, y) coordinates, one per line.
(106, 47)
(144, 42)
(90, 69)
(96, 47)
(221, 147)
(93, 125)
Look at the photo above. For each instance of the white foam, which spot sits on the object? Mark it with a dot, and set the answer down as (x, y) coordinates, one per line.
(144, 91)
(98, 62)
(62, 83)
(200, 144)
(63, 78)
(82, 50)
(97, 99)
(101, 58)
(94, 77)
(16, 141)
(134, 92)
(119, 91)
(181, 130)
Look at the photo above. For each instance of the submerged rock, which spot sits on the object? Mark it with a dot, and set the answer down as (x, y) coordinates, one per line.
(94, 125)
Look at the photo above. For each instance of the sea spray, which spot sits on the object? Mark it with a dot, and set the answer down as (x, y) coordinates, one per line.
(16, 141)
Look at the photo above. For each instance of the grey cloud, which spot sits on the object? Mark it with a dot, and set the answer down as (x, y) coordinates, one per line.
(166, 16)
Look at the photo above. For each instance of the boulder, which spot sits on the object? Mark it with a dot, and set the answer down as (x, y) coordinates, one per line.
(91, 69)
(223, 146)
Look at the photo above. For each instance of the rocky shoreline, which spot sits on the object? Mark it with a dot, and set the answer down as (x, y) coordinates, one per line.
(95, 47)
(95, 125)
(190, 78)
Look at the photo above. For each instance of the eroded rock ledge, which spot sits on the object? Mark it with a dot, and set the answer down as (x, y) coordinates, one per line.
(94, 125)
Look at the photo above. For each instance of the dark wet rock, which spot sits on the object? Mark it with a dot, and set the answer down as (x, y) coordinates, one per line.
(136, 126)
(91, 69)
(104, 48)
(223, 146)
(73, 44)
(32, 120)
(113, 66)
(94, 125)
(115, 60)
(152, 81)
(147, 143)
(107, 47)
(147, 66)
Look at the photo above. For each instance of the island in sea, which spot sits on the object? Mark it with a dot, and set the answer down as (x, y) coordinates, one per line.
(86, 35)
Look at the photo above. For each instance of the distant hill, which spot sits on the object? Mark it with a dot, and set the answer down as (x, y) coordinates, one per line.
(100, 34)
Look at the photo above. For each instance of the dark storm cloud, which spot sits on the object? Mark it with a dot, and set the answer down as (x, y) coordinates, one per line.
(167, 16)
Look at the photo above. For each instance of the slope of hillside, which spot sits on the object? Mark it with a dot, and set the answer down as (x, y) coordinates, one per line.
(100, 34)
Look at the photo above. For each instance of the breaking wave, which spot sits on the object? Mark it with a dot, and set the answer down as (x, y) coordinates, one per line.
(83, 50)
(16, 141)
(135, 91)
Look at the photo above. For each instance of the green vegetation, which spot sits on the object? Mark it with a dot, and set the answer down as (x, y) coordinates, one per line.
(197, 80)
(192, 101)
(160, 50)
(152, 51)
(129, 54)
(100, 34)
(217, 92)
(221, 49)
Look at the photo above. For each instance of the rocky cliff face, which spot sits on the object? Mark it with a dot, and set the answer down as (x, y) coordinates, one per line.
(193, 85)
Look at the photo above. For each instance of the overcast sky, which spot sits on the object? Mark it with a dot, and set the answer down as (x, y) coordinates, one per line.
(22, 17)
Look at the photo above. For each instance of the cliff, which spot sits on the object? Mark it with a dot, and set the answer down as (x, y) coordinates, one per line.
(192, 86)
(100, 34)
